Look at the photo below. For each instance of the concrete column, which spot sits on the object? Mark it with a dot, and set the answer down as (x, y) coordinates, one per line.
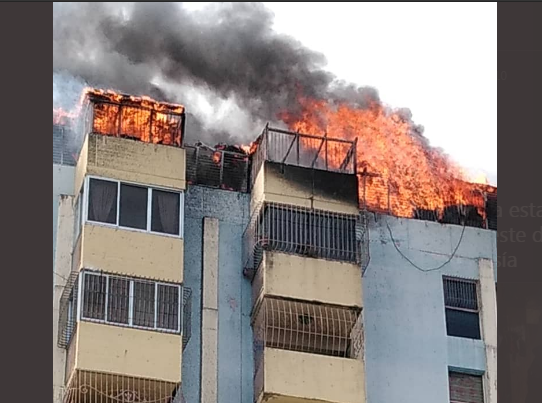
(209, 322)
(63, 260)
(489, 327)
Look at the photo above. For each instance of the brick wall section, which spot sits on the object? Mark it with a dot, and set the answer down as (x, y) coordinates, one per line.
(466, 388)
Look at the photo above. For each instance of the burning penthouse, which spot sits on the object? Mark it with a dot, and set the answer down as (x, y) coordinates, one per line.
(311, 265)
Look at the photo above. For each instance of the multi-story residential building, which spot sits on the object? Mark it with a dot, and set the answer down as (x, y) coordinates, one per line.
(197, 274)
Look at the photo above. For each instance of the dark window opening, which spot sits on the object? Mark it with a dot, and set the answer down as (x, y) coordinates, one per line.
(165, 212)
(133, 206)
(462, 310)
(102, 203)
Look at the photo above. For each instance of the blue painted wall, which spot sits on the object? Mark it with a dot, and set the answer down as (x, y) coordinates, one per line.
(408, 353)
(235, 360)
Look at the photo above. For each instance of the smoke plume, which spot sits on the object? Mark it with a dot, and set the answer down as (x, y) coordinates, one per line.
(225, 63)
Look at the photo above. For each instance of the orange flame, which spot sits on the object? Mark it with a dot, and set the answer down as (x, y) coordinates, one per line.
(398, 172)
(140, 118)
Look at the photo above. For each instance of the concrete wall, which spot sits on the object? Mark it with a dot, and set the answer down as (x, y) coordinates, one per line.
(63, 181)
(308, 279)
(235, 344)
(304, 187)
(132, 352)
(312, 377)
(408, 352)
(132, 253)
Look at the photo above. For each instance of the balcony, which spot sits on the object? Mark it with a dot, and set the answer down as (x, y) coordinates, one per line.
(287, 245)
(124, 336)
(308, 352)
(306, 171)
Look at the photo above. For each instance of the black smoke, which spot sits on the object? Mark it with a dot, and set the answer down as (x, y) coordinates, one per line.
(228, 51)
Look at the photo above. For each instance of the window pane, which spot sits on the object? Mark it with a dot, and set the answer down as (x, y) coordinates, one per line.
(168, 307)
(118, 301)
(133, 206)
(94, 296)
(144, 304)
(463, 324)
(165, 212)
(102, 201)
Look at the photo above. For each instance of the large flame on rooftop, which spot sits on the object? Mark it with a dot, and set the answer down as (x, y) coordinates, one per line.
(140, 118)
(399, 172)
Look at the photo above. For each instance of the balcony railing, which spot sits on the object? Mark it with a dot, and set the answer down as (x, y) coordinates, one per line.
(305, 328)
(305, 232)
(214, 168)
(126, 302)
(304, 150)
(91, 387)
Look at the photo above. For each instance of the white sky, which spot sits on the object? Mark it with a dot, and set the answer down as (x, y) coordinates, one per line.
(438, 59)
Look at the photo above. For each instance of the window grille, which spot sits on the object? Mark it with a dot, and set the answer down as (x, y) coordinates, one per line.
(124, 301)
(306, 232)
(462, 310)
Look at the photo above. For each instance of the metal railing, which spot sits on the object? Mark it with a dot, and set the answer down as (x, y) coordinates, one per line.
(87, 387)
(64, 151)
(307, 328)
(214, 168)
(304, 150)
(305, 232)
(125, 302)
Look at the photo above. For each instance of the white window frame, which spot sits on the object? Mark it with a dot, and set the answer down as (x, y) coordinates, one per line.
(130, 324)
(150, 189)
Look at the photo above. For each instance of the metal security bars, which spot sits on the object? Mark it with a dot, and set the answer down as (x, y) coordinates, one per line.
(124, 301)
(68, 311)
(131, 302)
(304, 150)
(64, 153)
(94, 387)
(302, 231)
(305, 327)
(462, 309)
(214, 168)
(187, 316)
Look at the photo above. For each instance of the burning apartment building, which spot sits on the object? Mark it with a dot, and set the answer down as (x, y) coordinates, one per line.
(298, 268)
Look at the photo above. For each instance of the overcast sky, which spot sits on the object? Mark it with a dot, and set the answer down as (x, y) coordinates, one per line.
(439, 60)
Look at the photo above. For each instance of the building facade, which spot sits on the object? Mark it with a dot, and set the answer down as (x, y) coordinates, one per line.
(191, 274)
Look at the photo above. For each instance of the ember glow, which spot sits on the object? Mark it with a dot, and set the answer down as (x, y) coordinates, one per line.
(399, 172)
(140, 118)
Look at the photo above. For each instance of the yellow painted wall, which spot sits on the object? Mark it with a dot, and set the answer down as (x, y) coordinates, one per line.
(143, 163)
(313, 377)
(311, 279)
(132, 253)
(272, 188)
(131, 352)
